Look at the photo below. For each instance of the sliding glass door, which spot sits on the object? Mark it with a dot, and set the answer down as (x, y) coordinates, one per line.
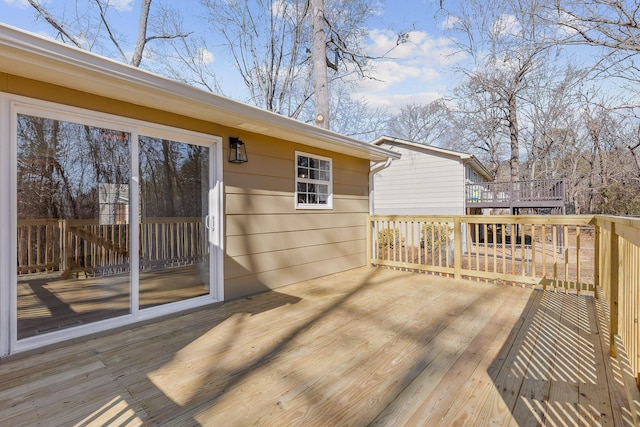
(111, 223)
(174, 211)
(73, 192)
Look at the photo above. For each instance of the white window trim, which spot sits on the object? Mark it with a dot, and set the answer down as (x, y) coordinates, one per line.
(312, 206)
(10, 107)
(7, 266)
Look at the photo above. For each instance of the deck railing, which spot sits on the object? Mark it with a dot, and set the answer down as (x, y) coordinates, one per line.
(617, 273)
(539, 192)
(595, 254)
(85, 246)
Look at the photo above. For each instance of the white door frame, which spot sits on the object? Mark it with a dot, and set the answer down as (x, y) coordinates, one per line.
(10, 106)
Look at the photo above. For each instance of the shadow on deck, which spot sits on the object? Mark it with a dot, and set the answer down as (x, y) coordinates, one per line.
(363, 347)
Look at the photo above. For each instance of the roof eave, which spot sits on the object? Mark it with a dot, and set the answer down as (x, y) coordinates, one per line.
(45, 60)
(465, 157)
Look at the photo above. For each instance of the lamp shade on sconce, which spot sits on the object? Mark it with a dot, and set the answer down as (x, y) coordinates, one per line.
(237, 151)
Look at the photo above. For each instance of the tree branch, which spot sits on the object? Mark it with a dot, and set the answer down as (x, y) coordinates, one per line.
(54, 23)
(108, 27)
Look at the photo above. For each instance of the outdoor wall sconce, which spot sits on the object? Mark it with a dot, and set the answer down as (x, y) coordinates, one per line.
(237, 151)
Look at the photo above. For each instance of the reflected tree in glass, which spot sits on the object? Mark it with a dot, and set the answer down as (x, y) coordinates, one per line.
(73, 263)
(174, 183)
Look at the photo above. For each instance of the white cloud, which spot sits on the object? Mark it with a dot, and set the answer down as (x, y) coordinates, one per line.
(121, 5)
(279, 8)
(506, 25)
(449, 22)
(396, 101)
(420, 47)
(18, 3)
(206, 57)
(569, 26)
(410, 72)
(284, 9)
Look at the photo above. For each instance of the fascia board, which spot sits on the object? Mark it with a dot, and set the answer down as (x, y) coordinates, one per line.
(45, 60)
(464, 157)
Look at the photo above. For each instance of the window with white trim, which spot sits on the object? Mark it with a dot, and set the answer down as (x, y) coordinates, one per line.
(314, 182)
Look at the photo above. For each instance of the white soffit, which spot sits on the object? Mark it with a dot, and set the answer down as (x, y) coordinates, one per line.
(465, 157)
(34, 57)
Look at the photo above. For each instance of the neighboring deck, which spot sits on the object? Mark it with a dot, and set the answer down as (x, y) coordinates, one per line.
(537, 193)
(360, 347)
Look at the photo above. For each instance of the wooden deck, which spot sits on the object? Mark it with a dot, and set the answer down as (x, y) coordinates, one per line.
(49, 304)
(363, 347)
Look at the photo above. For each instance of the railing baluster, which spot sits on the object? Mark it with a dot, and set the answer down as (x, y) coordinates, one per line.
(566, 258)
(542, 243)
(578, 279)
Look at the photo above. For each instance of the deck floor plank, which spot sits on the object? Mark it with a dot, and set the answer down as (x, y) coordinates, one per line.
(441, 355)
(536, 382)
(462, 396)
(562, 405)
(610, 370)
(357, 348)
(592, 395)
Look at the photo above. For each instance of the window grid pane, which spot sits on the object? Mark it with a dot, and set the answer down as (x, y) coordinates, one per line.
(313, 181)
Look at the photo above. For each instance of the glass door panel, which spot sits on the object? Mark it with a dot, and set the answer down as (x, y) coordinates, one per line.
(72, 224)
(174, 249)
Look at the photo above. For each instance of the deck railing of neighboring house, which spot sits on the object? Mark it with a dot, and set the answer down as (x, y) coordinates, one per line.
(534, 193)
(580, 253)
(85, 246)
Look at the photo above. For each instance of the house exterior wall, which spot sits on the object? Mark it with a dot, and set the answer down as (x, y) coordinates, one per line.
(268, 243)
(420, 184)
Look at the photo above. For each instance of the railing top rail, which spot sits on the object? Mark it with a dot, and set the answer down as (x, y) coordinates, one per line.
(23, 222)
(162, 220)
(633, 222)
(554, 180)
(493, 219)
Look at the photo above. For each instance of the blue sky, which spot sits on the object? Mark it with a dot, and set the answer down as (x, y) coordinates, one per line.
(413, 72)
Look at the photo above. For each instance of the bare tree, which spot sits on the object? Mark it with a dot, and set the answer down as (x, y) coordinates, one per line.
(268, 41)
(480, 121)
(429, 124)
(553, 100)
(283, 49)
(319, 54)
(89, 29)
(612, 28)
(613, 24)
(508, 45)
(354, 116)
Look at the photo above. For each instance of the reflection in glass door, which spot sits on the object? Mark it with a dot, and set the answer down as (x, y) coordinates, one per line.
(73, 264)
(174, 248)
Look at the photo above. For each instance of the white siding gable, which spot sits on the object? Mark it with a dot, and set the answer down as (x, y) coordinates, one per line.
(424, 183)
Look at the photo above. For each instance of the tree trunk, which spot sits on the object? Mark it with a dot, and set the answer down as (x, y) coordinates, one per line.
(514, 161)
(142, 33)
(319, 54)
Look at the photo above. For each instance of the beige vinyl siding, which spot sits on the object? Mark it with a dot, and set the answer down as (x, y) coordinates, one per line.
(420, 183)
(43, 91)
(269, 243)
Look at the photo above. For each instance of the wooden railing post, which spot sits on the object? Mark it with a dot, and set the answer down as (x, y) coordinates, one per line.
(613, 286)
(64, 244)
(457, 247)
(369, 241)
(596, 260)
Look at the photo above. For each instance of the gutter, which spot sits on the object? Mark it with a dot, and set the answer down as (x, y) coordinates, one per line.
(42, 59)
(375, 168)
